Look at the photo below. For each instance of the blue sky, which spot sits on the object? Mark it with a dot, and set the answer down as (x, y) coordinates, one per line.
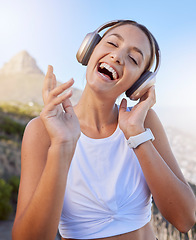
(52, 30)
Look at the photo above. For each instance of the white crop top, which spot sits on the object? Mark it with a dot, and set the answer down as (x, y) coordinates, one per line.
(106, 192)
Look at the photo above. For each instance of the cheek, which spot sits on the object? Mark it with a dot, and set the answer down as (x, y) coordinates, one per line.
(130, 78)
(94, 55)
(90, 65)
(99, 52)
(88, 73)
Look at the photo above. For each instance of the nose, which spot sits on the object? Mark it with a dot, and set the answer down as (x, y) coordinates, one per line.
(116, 56)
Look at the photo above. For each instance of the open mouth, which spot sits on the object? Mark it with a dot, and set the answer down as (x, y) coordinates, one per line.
(107, 71)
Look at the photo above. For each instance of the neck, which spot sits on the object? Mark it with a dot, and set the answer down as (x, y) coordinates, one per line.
(96, 111)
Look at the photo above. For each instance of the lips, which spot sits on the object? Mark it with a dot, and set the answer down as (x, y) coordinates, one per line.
(108, 71)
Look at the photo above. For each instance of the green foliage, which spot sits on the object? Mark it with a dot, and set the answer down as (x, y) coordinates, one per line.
(5, 195)
(8, 196)
(14, 182)
(11, 127)
(21, 110)
(14, 117)
(193, 186)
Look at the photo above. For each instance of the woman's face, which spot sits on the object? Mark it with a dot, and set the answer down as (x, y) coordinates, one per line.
(118, 60)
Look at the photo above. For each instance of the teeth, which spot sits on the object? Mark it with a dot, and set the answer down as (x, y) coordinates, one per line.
(105, 65)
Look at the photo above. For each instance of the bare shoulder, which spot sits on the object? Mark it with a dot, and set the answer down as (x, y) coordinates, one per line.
(35, 145)
(152, 119)
(35, 130)
(153, 122)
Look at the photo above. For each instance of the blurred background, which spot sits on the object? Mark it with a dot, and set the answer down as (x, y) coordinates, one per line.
(36, 33)
(52, 31)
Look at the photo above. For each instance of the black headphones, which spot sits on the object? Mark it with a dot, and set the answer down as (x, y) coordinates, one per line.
(146, 80)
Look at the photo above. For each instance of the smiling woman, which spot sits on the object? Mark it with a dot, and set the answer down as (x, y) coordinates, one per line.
(92, 169)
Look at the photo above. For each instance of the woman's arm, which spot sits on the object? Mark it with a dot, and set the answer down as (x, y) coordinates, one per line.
(47, 150)
(172, 194)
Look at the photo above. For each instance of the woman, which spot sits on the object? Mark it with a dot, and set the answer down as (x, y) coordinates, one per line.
(76, 165)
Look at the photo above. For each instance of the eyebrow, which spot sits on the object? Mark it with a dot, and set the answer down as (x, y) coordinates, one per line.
(138, 50)
(117, 35)
(122, 39)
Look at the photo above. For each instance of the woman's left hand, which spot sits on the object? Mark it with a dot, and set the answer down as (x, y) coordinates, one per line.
(132, 122)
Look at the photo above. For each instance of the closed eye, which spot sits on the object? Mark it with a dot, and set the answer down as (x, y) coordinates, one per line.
(113, 44)
(133, 59)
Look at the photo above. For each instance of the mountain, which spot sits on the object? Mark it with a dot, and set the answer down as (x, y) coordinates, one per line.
(21, 63)
(21, 80)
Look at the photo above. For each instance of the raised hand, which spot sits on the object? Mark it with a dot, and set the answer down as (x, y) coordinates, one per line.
(58, 114)
(132, 122)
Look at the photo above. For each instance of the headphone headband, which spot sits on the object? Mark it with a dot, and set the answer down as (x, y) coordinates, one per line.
(108, 24)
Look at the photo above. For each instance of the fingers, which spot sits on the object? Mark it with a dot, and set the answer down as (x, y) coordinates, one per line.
(54, 97)
(49, 83)
(151, 90)
(149, 96)
(51, 90)
(59, 90)
(67, 106)
(50, 79)
(152, 95)
(58, 100)
(123, 106)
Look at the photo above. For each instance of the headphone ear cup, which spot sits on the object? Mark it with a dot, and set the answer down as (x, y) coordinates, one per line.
(87, 47)
(132, 90)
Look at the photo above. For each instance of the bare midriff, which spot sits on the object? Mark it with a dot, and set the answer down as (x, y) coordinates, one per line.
(144, 233)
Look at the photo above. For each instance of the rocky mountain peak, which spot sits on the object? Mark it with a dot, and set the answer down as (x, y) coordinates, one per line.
(22, 81)
(21, 63)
